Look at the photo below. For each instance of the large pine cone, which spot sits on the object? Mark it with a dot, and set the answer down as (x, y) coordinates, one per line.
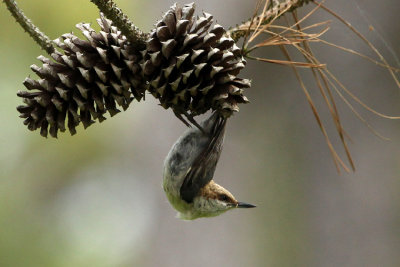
(88, 79)
(191, 66)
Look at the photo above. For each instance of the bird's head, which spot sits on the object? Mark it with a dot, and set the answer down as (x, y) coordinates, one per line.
(213, 200)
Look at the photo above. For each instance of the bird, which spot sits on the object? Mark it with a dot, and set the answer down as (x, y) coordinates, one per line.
(189, 169)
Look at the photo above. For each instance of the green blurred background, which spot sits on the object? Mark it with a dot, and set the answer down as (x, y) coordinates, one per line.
(95, 199)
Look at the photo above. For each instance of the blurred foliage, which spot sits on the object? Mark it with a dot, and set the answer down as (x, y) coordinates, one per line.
(34, 170)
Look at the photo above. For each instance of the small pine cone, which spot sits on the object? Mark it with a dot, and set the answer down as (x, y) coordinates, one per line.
(88, 79)
(191, 66)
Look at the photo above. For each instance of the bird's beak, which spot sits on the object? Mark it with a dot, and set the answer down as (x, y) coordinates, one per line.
(245, 205)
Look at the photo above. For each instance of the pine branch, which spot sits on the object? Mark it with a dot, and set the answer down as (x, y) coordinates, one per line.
(40, 38)
(122, 22)
(274, 11)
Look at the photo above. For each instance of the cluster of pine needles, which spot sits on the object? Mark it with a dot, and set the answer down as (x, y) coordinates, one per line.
(264, 31)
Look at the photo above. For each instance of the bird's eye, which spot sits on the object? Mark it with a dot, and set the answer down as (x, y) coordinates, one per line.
(224, 198)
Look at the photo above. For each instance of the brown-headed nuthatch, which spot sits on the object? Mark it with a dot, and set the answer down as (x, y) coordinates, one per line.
(189, 168)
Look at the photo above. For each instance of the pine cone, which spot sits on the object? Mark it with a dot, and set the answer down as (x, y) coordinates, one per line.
(191, 66)
(88, 79)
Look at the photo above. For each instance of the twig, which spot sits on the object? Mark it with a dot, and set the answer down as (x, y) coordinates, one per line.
(40, 38)
(112, 12)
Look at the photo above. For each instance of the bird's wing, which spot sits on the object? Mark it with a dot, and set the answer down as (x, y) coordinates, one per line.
(203, 167)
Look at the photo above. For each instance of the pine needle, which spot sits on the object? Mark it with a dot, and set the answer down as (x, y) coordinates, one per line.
(330, 102)
(337, 160)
